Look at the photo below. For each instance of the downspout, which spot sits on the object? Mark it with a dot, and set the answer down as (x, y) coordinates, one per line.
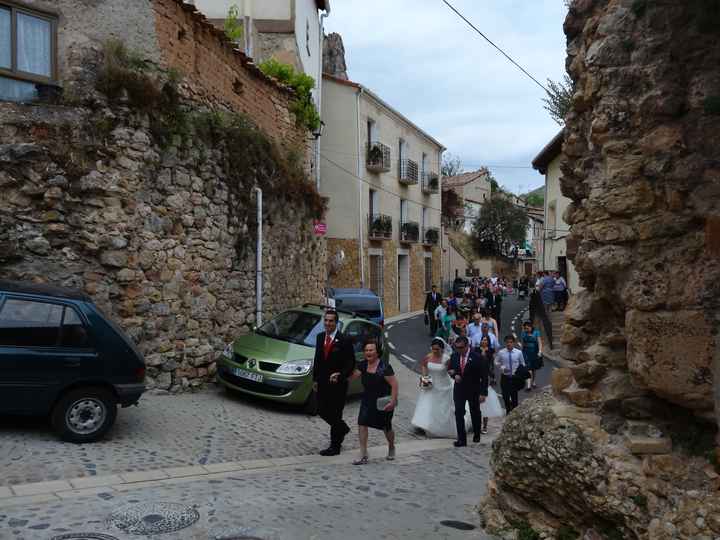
(545, 223)
(258, 259)
(360, 191)
(318, 88)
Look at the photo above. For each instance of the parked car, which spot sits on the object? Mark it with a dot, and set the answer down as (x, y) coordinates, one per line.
(60, 356)
(275, 361)
(364, 302)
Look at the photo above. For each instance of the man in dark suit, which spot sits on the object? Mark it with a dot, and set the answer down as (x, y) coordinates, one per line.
(471, 376)
(497, 300)
(432, 301)
(334, 363)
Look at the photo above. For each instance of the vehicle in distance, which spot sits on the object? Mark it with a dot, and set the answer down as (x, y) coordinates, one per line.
(362, 302)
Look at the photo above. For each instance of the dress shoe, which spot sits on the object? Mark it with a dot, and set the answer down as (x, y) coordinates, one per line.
(458, 444)
(330, 451)
(476, 438)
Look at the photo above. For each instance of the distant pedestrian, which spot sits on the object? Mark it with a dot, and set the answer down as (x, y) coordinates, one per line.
(379, 399)
(333, 364)
(432, 301)
(531, 343)
(560, 289)
(439, 315)
(547, 290)
(497, 306)
(508, 359)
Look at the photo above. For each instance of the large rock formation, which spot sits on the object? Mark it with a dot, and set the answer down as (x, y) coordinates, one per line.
(623, 448)
(334, 56)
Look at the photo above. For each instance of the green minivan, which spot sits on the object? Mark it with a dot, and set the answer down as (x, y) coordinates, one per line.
(275, 361)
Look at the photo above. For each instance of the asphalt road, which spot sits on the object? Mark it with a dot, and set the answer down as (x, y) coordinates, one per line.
(409, 340)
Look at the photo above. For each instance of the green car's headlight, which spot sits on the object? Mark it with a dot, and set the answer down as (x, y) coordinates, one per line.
(295, 367)
(228, 352)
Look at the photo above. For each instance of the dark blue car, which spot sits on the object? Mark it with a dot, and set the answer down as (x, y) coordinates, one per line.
(363, 302)
(60, 356)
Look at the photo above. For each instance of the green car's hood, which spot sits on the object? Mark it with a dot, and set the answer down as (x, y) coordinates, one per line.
(265, 348)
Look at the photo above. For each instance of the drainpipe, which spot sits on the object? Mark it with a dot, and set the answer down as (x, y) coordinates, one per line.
(545, 223)
(318, 89)
(258, 259)
(360, 191)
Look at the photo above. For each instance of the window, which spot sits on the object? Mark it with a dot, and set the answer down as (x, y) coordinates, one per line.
(307, 36)
(74, 334)
(423, 165)
(359, 333)
(403, 210)
(402, 148)
(424, 218)
(26, 323)
(428, 273)
(373, 203)
(376, 274)
(27, 52)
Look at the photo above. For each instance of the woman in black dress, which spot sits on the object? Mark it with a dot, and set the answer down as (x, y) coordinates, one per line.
(380, 389)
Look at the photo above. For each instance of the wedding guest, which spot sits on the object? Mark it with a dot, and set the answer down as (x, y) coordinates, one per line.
(490, 408)
(531, 343)
(509, 359)
(379, 399)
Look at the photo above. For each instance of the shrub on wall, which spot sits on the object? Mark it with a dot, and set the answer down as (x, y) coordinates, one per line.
(303, 106)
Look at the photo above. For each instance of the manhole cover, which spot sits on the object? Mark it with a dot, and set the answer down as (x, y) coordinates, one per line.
(153, 518)
(83, 536)
(461, 525)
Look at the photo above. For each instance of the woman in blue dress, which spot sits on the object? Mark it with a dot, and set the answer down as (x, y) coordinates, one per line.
(531, 344)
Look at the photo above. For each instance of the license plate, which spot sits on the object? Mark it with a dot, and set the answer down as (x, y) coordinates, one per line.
(257, 377)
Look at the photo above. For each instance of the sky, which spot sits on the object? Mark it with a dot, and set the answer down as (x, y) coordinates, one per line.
(433, 68)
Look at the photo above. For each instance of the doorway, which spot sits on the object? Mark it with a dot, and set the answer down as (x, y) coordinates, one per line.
(404, 283)
(563, 267)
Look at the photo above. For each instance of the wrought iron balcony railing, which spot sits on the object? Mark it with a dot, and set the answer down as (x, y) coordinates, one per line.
(430, 183)
(377, 158)
(431, 236)
(408, 172)
(379, 227)
(409, 231)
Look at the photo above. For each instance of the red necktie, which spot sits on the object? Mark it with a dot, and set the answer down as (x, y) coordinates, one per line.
(328, 345)
(462, 364)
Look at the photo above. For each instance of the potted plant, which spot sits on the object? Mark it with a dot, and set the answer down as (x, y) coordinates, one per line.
(432, 236)
(375, 154)
(387, 226)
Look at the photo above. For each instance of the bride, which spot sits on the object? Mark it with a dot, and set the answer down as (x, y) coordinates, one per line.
(435, 410)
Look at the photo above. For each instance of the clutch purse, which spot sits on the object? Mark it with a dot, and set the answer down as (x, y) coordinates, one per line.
(383, 402)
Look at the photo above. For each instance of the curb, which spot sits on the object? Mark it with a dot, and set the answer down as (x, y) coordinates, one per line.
(57, 490)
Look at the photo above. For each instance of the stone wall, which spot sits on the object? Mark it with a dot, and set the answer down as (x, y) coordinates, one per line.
(161, 236)
(624, 447)
(334, 56)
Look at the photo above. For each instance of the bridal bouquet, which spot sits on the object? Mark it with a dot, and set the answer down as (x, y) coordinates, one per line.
(425, 382)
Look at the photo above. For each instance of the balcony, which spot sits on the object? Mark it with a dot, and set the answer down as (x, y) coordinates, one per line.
(431, 236)
(377, 158)
(379, 227)
(430, 183)
(410, 231)
(408, 172)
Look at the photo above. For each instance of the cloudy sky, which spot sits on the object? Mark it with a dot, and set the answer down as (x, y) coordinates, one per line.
(428, 64)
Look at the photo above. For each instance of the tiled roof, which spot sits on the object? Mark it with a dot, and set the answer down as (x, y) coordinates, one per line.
(464, 179)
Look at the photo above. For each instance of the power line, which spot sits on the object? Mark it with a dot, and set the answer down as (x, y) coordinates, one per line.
(493, 44)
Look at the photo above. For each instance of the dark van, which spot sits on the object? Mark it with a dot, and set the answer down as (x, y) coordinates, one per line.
(60, 356)
(363, 302)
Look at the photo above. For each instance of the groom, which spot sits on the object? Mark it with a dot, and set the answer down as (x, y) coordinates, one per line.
(471, 385)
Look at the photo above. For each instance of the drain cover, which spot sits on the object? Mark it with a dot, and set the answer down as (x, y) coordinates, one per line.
(83, 536)
(461, 525)
(153, 518)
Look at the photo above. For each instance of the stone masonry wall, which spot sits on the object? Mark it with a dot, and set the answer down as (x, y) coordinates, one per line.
(161, 237)
(624, 448)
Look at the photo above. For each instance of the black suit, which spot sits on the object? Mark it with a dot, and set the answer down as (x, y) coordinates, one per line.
(497, 309)
(432, 301)
(331, 396)
(473, 384)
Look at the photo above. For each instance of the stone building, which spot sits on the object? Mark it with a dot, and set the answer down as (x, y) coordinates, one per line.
(555, 239)
(125, 172)
(381, 174)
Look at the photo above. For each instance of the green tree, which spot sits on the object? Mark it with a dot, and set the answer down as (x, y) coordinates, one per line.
(535, 199)
(559, 99)
(499, 226)
(233, 24)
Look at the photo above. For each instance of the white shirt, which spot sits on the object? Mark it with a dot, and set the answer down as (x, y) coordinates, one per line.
(509, 360)
(477, 338)
(332, 336)
(440, 312)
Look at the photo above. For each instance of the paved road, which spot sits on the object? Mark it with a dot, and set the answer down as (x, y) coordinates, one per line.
(409, 340)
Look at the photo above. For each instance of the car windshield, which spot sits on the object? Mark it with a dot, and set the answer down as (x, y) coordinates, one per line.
(367, 306)
(294, 326)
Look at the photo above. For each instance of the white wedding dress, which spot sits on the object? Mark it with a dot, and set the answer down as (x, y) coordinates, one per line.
(435, 409)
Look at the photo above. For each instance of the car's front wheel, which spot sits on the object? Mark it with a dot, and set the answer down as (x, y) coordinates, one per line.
(84, 414)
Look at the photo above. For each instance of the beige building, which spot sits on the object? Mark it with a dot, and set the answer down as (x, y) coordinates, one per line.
(381, 174)
(554, 256)
(473, 189)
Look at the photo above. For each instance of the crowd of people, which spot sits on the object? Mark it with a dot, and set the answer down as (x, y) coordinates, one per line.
(457, 375)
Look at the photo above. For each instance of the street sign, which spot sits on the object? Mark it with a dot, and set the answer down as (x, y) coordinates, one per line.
(319, 227)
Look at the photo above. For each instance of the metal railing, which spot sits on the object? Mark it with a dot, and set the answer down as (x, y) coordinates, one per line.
(430, 183)
(431, 236)
(377, 157)
(408, 172)
(379, 227)
(409, 231)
